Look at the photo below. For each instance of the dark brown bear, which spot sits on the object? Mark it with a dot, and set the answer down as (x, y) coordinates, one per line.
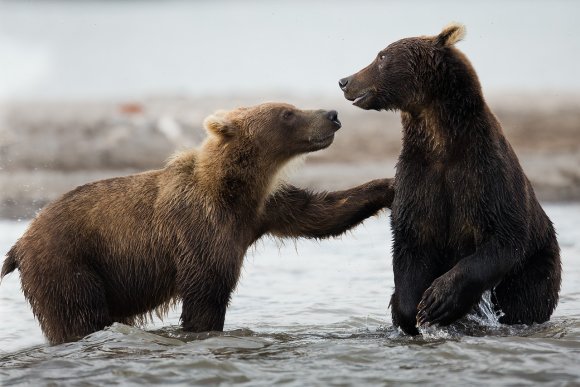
(465, 218)
(115, 250)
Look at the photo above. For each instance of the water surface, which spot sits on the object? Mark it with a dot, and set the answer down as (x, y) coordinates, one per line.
(306, 313)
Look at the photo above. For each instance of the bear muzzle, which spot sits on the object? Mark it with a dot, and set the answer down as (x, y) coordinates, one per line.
(354, 94)
(332, 115)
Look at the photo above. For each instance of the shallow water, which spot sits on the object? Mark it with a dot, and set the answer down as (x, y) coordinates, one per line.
(306, 313)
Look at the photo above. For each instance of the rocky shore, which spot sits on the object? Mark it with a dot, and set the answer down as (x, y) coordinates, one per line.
(48, 148)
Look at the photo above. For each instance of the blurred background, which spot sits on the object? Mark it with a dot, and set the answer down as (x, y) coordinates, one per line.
(95, 89)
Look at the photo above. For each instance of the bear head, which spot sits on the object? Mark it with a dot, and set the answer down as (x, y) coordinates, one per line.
(412, 73)
(277, 130)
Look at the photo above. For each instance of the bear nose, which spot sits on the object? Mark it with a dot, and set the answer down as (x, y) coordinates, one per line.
(342, 83)
(333, 116)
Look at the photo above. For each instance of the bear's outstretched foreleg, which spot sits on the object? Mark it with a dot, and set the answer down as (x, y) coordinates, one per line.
(294, 212)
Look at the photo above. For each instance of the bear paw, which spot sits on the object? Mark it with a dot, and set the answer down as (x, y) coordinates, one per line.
(449, 298)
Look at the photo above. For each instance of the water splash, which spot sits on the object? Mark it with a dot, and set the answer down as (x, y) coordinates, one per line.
(484, 313)
(481, 320)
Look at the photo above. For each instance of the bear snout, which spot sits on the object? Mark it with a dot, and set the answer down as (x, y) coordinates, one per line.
(333, 117)
(351, 90)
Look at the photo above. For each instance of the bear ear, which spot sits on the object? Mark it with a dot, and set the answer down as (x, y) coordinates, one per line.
(451, 34)
(219, 124)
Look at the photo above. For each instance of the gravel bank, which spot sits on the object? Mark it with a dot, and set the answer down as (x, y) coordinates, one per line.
(47, 148)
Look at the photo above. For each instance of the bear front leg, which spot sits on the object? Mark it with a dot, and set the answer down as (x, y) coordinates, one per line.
(455, 293)
(413, 272)
(203, 315)
(294, 212)
(205, 299)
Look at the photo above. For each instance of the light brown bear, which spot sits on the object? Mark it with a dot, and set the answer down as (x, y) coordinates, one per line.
(115, 250)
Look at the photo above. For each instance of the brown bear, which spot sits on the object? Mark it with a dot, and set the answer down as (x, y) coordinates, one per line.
(115, 250)
(465, 218)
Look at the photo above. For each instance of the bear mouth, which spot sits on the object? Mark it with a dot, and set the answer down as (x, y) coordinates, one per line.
(357, 101)
(322, 142)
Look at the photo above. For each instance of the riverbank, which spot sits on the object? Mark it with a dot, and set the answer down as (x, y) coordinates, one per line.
(48, 148)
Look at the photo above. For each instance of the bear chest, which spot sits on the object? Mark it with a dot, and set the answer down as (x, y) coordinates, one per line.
(438, 204)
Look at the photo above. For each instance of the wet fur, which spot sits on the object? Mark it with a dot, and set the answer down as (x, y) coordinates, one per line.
(465, 218)
(116, 250)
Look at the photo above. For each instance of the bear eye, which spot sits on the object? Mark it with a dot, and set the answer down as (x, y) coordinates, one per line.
(287, 114)
(382, 57)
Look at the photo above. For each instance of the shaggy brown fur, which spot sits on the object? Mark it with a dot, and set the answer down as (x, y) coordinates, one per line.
(115, 250)
(465, 217)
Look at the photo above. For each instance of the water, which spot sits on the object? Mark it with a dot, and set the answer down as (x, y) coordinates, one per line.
(99, 49)
(307, 313)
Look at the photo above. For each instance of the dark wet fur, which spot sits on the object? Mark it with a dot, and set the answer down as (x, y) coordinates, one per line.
(465, 217)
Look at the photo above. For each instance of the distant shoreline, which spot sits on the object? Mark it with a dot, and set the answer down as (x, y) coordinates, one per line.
(48, 148)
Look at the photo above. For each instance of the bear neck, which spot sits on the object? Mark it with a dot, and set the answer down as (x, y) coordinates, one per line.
(236, 174)
(452, 121)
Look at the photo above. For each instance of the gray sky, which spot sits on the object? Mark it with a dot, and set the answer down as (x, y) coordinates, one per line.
(92, 49)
